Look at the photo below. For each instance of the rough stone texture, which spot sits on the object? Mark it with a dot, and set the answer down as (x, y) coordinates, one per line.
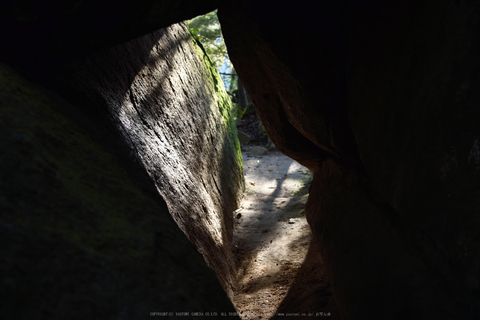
(168, 103)
(57, 31)
(84, 232)
(394, 203)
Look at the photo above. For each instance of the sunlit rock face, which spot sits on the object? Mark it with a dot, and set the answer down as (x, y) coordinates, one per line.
(381, 102)
(168, 104)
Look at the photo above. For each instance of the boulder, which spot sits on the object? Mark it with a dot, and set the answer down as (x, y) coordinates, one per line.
(258, 150)
(243, 137)
(270, 146)
(85, 232)
(166, 101)
(273, 88)
(378, 101)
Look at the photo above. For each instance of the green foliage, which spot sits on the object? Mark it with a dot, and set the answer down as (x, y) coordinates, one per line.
(240, 113)
(207, 30)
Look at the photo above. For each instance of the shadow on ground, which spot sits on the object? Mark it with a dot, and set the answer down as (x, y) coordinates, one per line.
(279, 271)
(310, 292)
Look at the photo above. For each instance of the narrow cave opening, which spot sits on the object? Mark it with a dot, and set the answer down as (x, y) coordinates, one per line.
(279, 270)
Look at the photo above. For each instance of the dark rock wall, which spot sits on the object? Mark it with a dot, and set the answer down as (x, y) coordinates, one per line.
(168, 104)
(84, 232)
(53, 32)
(251, 56)
(415, 101)
(380, 101)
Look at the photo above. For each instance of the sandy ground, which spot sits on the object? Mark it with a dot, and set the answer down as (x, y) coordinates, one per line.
(280, 273)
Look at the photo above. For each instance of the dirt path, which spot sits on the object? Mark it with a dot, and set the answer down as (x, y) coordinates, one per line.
(279, 273)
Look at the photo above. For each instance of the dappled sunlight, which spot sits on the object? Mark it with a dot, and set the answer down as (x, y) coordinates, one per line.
(271, 235)
(279, 179)
(141, 125)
